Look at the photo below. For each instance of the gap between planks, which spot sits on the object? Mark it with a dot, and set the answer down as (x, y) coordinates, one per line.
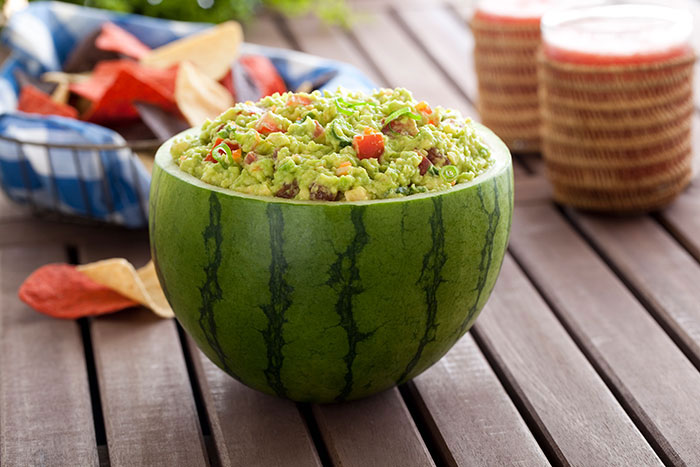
(45, 410)
(565, 401)
(149, 410)
(648, 373)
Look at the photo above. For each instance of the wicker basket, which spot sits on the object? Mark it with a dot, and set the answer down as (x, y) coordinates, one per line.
(505, 57)
(616, 138)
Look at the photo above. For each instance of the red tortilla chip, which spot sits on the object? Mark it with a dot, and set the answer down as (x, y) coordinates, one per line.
(32, 100)
(227, 82)
(115, 39)
(117, 102)
(106, 72)
(61, 291)
(264, 74)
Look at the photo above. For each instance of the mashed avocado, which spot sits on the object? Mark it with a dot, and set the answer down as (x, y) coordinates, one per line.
(335, 146)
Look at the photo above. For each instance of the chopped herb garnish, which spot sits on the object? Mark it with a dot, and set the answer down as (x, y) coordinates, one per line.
(449, 173)
(222, 153)
(400, 113)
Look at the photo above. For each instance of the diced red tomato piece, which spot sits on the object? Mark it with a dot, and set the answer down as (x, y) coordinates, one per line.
(318, 129)
(369, 145)
(267, 125)
(250, 158)
(297, 99)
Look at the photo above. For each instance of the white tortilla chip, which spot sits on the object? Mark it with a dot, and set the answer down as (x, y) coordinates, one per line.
(198, 96)
(61, 93)
(141, 286)
(212, 50)
(61, 77)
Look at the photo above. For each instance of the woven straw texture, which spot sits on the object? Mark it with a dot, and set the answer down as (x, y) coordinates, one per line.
(616, 138)
(505, 58)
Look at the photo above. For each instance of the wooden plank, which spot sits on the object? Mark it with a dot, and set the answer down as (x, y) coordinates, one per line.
(148, 405)
(566, 400)
(243, 421)
(377, 430)
(11, 210)
(532, 189)
(404, 64)
(519, 170)
(468, 410)
(683, 218)
(331, 42)
(45, 408)
(31, 231)
(534, 163)
(264, 30)
(452, 48)
(657, 267)
(634, 354)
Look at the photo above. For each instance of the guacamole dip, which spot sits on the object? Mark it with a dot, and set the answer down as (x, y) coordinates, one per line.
(335, 146)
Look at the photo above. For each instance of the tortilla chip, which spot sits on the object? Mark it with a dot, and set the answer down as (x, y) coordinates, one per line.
(116, 85)
(61, 291)
(198, 96)
(241, 84)
(85, 55)
(106, 73)
(161, 123)
(115, 39)
(24, 79)
(31, 100)
(264, 74)
(61, 94)
(212, 50)
(142, 286)
(61, 77)
(133, 131)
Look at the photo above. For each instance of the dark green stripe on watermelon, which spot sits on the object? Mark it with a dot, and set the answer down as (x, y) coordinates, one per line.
(280, 301)
(210, 289)
(344, 278)
(492, 218)
(429, 280)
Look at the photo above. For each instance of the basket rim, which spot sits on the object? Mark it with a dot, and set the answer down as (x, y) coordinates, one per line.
(137, 145)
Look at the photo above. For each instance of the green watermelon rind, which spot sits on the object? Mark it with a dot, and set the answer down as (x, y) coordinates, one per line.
(328, 301)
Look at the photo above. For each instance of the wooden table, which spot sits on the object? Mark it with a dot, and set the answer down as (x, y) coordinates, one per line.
(586, 354)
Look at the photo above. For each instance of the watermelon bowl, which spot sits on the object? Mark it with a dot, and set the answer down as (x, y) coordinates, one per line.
(328, 301)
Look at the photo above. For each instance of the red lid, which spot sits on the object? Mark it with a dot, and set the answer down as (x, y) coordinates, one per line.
(617, 34)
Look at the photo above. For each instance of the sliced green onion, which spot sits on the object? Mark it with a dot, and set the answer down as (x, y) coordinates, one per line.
(400, 113)
(434, 170)
(353, 104)
(340, 130)
(449, 173)
(345, 106)
(339, 105)
(227, 157)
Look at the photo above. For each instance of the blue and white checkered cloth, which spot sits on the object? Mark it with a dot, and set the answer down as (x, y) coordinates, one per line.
(106, 185)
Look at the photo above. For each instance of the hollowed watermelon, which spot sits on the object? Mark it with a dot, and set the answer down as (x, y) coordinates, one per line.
(328, 301)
